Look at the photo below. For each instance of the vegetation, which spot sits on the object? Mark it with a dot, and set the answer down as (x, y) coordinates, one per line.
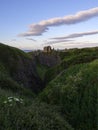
(45, 61)
(19, 67)
(75, 90)
(69, 100)
(42, 69)
(70, 58)
(28, 114)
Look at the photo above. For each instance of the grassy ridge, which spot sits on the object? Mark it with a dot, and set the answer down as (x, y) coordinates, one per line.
(70, 58)
(69, 101)
(9, 57)
(76, 92)
(30, 114)
(20, 67)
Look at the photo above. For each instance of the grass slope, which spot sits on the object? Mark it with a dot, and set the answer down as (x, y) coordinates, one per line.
(19, 108)
(71, 57)
(29, 115)
(19, 67)
(75, 90)
(70, 101)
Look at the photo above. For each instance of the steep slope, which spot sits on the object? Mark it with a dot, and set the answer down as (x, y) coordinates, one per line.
(19, 108)
(75, 90)
(69, 58)
(44, 61)
(20, 67)
(69, 101)
(48, 59)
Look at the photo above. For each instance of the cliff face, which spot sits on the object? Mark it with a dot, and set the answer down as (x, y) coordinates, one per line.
(20, 67)
(49, 59)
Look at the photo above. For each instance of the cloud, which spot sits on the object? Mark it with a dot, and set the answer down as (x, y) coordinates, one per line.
(76, 45)
(31, 39)
(81, 44)
(69, 38)
(58, 41)
(75, 35)
(43, 26)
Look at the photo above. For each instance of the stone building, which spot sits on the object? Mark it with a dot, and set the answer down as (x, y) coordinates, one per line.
(47, 49)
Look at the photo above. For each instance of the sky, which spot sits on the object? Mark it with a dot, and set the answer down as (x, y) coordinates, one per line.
(33, 24)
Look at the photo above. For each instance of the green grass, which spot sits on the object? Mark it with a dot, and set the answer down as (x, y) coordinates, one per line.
(71, 58)
(11, 57)
(69, 101)
(41, 69)
(31, 115)
(76, 91)
(8, 84)
(20, 68)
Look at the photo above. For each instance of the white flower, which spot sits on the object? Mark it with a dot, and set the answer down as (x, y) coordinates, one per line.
(5, 102)
(10, 100)
(10, 97)
(16, 99)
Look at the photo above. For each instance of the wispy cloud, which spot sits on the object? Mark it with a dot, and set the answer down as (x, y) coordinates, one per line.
(43, 26)
(76, 44)
(31, 39)
(76, 35)
(81, 44)
(58, 41)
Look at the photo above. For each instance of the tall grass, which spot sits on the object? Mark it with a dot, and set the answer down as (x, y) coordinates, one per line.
(76, 92)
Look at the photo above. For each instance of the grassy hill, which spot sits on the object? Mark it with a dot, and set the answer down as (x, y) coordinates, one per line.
(19, 67)
(69, 58)
(69, 100)
(19, 108)
(49, 65)
(75, 90)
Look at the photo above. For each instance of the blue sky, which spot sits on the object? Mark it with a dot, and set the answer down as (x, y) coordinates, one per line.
(32, 24)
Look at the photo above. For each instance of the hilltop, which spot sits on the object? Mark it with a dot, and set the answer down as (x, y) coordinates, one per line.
(54, 90)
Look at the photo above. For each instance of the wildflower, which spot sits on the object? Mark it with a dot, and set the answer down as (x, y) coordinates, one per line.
(13, 101)
(10, 97)
(5, 102)
(10, 100)
(16, 99)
